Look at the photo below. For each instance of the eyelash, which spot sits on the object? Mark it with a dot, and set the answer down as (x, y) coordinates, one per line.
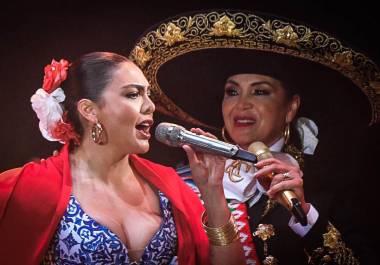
(261, 92)
(133, 95)
(257, 92)
(231, 92)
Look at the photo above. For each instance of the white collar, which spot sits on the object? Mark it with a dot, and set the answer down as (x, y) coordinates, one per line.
(277, 146)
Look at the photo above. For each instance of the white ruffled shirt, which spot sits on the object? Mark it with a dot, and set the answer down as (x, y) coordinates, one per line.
(249, 189)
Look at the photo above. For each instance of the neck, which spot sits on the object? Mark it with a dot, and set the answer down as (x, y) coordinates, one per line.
(277, 143)
(103, 162)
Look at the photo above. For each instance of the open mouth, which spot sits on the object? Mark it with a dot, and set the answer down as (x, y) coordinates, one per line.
(144, 128)
(243, 122)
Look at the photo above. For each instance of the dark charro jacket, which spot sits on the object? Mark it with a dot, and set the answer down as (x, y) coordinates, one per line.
(333, 239)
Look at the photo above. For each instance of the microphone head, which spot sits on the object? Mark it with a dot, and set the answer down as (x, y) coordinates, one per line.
(260, 150)
(168, 133)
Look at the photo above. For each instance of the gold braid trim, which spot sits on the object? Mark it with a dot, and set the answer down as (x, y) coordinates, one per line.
(333, 251)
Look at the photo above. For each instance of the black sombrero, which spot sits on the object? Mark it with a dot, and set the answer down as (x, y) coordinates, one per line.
(187, 59)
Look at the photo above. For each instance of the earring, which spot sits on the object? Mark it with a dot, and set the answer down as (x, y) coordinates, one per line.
(224, 135)
(98, 134)
(287, 133)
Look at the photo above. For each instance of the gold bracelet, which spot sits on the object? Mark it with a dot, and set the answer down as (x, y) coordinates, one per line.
(223, 235)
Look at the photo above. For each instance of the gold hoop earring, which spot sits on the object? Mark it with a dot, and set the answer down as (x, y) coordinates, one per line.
(98, 134)
(224, 135)
(287, 133)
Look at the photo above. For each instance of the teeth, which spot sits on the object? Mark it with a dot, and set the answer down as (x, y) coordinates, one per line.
(245, 121)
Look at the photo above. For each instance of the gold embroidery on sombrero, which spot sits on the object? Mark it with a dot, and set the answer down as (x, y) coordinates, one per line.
(141, 56)
(227, 29)
(172, 35)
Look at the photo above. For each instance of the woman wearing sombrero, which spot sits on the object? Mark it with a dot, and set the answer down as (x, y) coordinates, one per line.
(260, 68)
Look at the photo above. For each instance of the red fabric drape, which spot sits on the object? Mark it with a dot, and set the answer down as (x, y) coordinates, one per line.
(34, 198)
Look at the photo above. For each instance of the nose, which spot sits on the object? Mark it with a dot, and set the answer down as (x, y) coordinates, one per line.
(244, 103)
(148, 106)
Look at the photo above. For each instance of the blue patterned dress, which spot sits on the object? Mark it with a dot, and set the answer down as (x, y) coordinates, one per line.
(81, 240)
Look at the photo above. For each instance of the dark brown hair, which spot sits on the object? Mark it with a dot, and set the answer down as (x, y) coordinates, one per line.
(87, 78)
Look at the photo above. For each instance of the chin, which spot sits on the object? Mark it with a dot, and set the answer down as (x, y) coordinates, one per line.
(242, 140)
(142, 148)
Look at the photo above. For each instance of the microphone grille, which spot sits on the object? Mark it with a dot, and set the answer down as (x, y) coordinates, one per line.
(167, 133)
(260, 150)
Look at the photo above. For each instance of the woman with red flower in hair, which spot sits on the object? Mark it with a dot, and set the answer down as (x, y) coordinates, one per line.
(97, 202)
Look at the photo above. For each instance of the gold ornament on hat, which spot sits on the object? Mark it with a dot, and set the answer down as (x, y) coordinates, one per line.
(225, 27)
(141, 56)
(172, 35)
(246, 30)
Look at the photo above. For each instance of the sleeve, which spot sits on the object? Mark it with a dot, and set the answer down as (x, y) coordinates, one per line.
(312, 217)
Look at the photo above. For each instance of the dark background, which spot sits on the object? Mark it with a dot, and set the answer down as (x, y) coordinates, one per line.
(31, 34)
(34, 33)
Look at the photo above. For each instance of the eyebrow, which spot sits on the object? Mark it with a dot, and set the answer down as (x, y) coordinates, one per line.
(139, 87)
(252, 84)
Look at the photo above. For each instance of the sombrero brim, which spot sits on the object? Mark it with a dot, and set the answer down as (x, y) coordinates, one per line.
(187, 60)
(195, 82)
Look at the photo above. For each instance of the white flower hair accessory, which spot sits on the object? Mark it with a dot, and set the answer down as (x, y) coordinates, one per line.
(46, 102)
(49, 110)
(308, 132)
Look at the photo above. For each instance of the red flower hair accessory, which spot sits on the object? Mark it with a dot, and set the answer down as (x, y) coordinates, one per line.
(55, 74)
(46, 102)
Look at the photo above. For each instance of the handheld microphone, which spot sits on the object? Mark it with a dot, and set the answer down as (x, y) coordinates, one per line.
(288, 197)
(177, 136)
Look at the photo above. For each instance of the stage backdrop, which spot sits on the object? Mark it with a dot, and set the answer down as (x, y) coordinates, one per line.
(32, 34)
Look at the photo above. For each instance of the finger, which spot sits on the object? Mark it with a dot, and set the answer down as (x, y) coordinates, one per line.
(291, 184)
(277, 169)
(201, 132)
(278, 178)
(190, 154)
(269, 180)
(267, 161)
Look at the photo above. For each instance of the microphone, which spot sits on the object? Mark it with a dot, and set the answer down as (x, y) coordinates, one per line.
(177, 136)
(287, 196)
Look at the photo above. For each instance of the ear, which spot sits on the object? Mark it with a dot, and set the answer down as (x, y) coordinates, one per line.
(293, 108)
(88, 110)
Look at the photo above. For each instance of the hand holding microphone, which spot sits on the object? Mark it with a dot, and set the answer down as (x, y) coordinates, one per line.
(203, 143)
(280, 183)
(177, 136)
